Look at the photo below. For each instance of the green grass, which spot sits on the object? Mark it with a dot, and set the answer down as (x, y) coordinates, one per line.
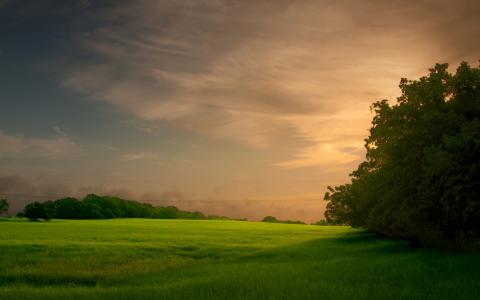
(181, 259)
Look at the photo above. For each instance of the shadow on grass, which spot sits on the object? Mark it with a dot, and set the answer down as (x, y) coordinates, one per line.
(349, 245)
(47, 280)
(13, 219)
(372, 243)
(350, 252)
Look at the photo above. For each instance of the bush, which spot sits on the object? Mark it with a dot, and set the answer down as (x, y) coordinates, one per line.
(322, 223)
(270, 219)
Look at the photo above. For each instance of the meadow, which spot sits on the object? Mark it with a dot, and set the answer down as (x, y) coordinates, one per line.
(186, 259)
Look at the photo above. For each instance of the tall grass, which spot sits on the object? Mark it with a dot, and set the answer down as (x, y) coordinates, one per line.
(181, 259)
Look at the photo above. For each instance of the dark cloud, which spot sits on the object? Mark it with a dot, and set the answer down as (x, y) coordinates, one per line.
(201, 64)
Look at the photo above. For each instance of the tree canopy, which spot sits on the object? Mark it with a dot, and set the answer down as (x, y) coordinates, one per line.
(106, 207)
(272, 219)
(36, 211)
(421, 177)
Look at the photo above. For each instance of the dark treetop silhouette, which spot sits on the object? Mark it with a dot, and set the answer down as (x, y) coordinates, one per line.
(106, 207)
(421, 177)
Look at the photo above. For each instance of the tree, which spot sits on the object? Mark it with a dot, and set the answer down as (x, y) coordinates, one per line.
(4, 206)
(168, 212)
(270, 219)
(36, 210)
(91, 211)
(421, 176)
(109, 207)
(68, 208)
(105, 207)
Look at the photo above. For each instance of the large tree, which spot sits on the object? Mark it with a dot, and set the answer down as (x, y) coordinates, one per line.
(36, 210)
(421, 176)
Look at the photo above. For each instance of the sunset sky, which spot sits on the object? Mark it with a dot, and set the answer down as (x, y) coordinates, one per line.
(239, 108)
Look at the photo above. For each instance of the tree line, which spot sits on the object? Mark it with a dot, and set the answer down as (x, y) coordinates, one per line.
(272, 219)
(106, 207)
(420, 180)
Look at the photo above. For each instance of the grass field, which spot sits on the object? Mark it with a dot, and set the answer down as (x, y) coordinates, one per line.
(181, 259)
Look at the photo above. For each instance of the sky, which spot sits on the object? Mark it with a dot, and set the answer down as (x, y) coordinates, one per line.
(238, 108)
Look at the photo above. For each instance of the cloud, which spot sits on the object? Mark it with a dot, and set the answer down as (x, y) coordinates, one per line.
(133, 156)
(5, 3)
(269, 73)
(60, 132)
(139, 156)
(336, 140)
(59, 146)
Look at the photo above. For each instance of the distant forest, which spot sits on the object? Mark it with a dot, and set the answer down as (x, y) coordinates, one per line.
(106, 207)
(421, 177)
(272, 219)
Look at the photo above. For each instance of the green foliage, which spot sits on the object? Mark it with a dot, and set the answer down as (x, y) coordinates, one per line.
(291, 222)
(3, 206)
(36, 211)
(106, 207)
(323, 223)
(169, 212)
(421, 177)
(196, 215)
(271, 219)
(124, 259)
